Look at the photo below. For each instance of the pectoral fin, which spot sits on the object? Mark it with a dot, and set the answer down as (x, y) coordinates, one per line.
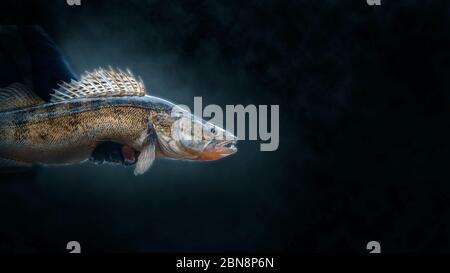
(147, 155)
(145, 159)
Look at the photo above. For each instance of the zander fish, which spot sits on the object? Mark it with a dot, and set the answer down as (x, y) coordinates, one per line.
(104, 106)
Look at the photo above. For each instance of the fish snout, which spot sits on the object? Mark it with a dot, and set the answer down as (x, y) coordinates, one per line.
(219, 149)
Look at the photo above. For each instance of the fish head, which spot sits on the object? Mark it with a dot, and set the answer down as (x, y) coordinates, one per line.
(193, 138)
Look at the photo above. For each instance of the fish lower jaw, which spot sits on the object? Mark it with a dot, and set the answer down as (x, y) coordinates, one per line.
(228, 147)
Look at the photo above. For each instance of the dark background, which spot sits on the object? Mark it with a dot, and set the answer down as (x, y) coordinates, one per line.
(364, 141)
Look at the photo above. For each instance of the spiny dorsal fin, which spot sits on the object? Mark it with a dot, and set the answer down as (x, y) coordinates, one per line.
(18, 95)
(100, 83)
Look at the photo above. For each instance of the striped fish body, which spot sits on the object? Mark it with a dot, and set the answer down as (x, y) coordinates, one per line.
(104, 106)
(68, 132)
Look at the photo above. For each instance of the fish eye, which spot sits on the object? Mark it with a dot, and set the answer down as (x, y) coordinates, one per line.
(213, 130)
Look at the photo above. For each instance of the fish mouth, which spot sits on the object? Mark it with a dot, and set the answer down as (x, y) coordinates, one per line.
(215, 151)
(227, 147)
